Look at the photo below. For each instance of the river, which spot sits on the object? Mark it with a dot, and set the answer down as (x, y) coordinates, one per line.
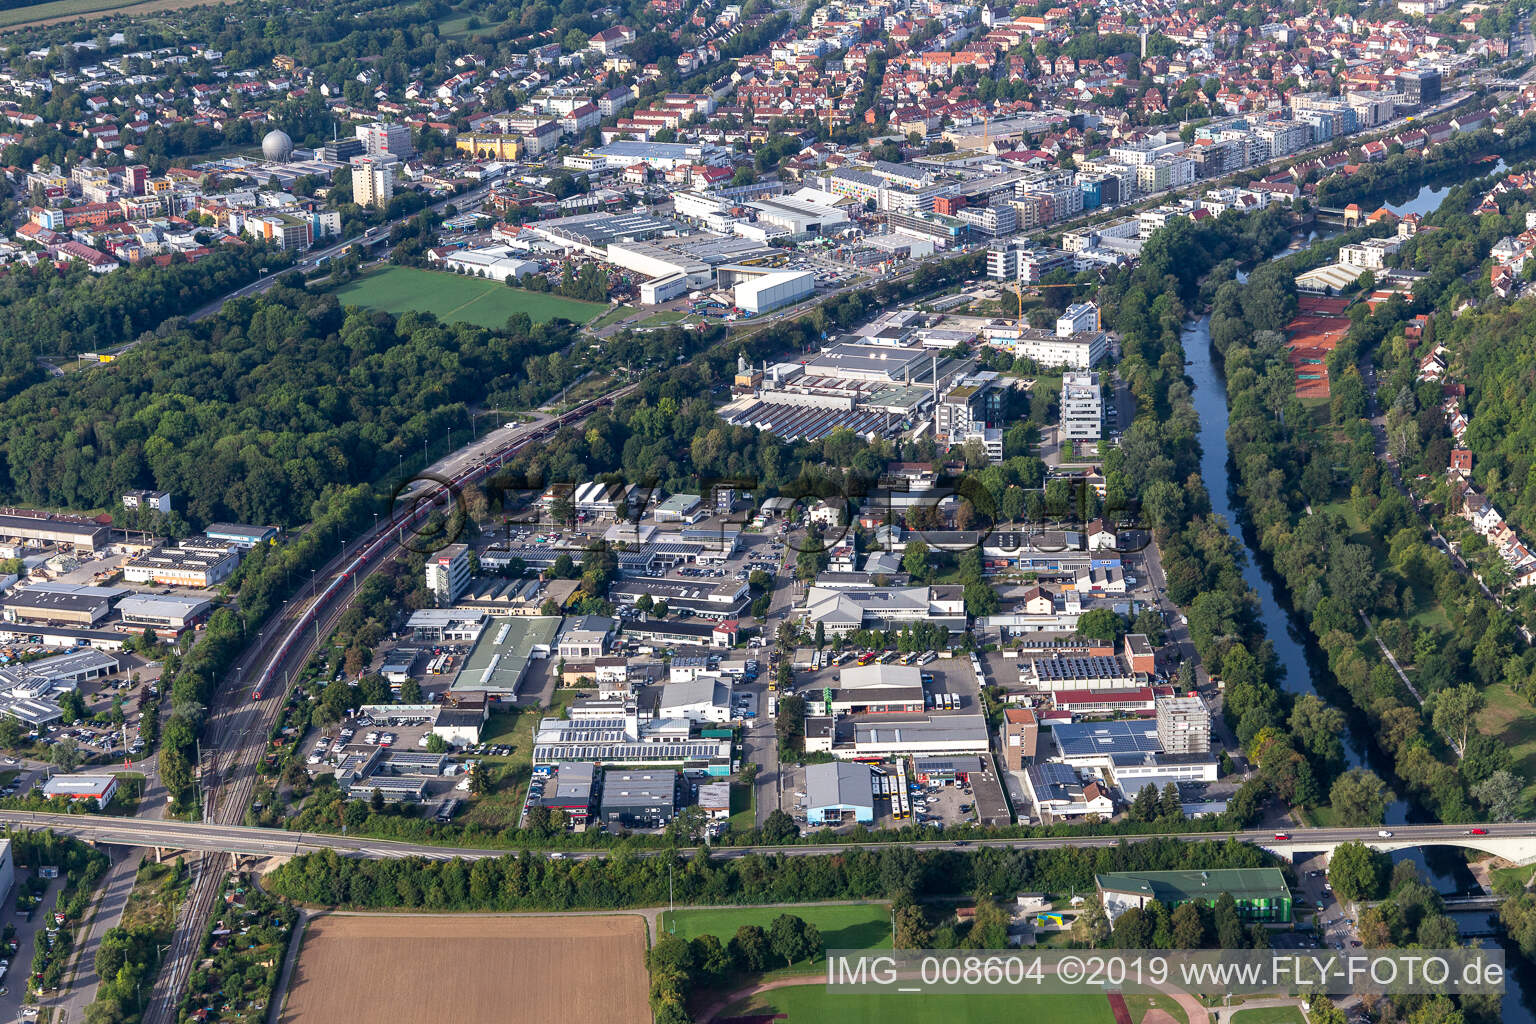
(1302, 662)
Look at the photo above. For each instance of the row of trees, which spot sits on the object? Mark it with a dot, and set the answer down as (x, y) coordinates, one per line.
(622, 879)
(680, 965)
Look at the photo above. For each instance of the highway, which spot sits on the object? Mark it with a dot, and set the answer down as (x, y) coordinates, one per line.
(252, 841)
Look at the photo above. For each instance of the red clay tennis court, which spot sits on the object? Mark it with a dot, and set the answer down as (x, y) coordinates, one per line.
(1315, 332)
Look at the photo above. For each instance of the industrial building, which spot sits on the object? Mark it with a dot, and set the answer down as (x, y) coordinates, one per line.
(916, 734)
(91, 788)
(82, 536)
(163, 611)
(570, 792)
(196, 562)
(1095, 744)
(641, 799)
(628, 740)
(840, 611)
(702, 699)
(68, 603)
(1261, 894)
(501, 656)
(838, 792)
(775, 290)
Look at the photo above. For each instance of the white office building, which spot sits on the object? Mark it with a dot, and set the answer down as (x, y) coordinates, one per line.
(1082, 407)
(447, 573)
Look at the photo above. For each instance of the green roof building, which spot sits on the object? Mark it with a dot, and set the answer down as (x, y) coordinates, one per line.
(1260, 893)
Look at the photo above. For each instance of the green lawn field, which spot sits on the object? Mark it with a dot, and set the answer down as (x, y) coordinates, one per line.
(1269, 1015)
(858, 926)
(454, 297)
(806, 1003)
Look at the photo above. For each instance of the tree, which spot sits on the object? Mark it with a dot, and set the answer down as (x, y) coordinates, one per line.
(749, 948)
(1091, 926)
(821, 635)
(1188, 928)
(66, 755)
(1229, 927)
(779, 827)
(1454, 709)
(436, 744)
(1132, 928)
(915, 561)
(1357, 872)
(1499, 794)
(410, 692)
(1100, 624)
(1144, 808)
(479, 779)
(911, 928)
(792, 940)
(1359, 797)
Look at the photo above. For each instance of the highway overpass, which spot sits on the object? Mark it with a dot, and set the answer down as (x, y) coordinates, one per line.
(1515, 842)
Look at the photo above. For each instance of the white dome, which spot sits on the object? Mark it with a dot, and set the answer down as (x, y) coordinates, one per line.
(277, 145)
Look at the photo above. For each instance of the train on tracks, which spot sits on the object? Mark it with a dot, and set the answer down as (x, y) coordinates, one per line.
(386, 537)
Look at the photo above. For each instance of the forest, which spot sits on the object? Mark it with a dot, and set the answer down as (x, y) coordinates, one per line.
(252, 414)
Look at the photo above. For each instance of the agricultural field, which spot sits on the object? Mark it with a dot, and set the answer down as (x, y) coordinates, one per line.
(409, 969)
(842, 926)
(68, 10)
(454, 297)
(807, 1003)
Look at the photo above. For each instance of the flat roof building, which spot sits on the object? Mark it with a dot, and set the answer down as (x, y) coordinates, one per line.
(641, 799)
(63, 603)
(571, 791)
(199, 563)
(81, 535)
(502, 654)
(241, 535)
(1260, 893)
(163, 611)
(1096, 744)
(97, 788)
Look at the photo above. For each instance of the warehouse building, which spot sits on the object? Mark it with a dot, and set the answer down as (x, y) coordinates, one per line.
(914, 734)
(775, 290)
(79, 535)
(61, 672)
(839, 792)
(90, 788)
(501, 656)
(198, 562)
(1096, 744)
(1261, 894)
(627, 740)
(64, 603)
(878, 689)
(645, 799)
(241, 535)
(163, 611)
(570, 792)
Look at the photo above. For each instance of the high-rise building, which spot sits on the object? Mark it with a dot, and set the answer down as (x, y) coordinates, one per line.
(1082, 407)
(1420, 87)
(382, 137)
(447, 573)
(1183, 725)
(373, 182)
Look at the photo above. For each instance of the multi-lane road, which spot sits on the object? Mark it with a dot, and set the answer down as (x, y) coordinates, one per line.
(263, 842)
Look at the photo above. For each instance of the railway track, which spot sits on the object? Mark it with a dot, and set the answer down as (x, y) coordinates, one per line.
(246, 706)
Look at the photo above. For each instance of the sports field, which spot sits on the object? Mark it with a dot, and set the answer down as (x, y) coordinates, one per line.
(860, 926)
(808, 1003)
(454, 297)
(421, 969)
